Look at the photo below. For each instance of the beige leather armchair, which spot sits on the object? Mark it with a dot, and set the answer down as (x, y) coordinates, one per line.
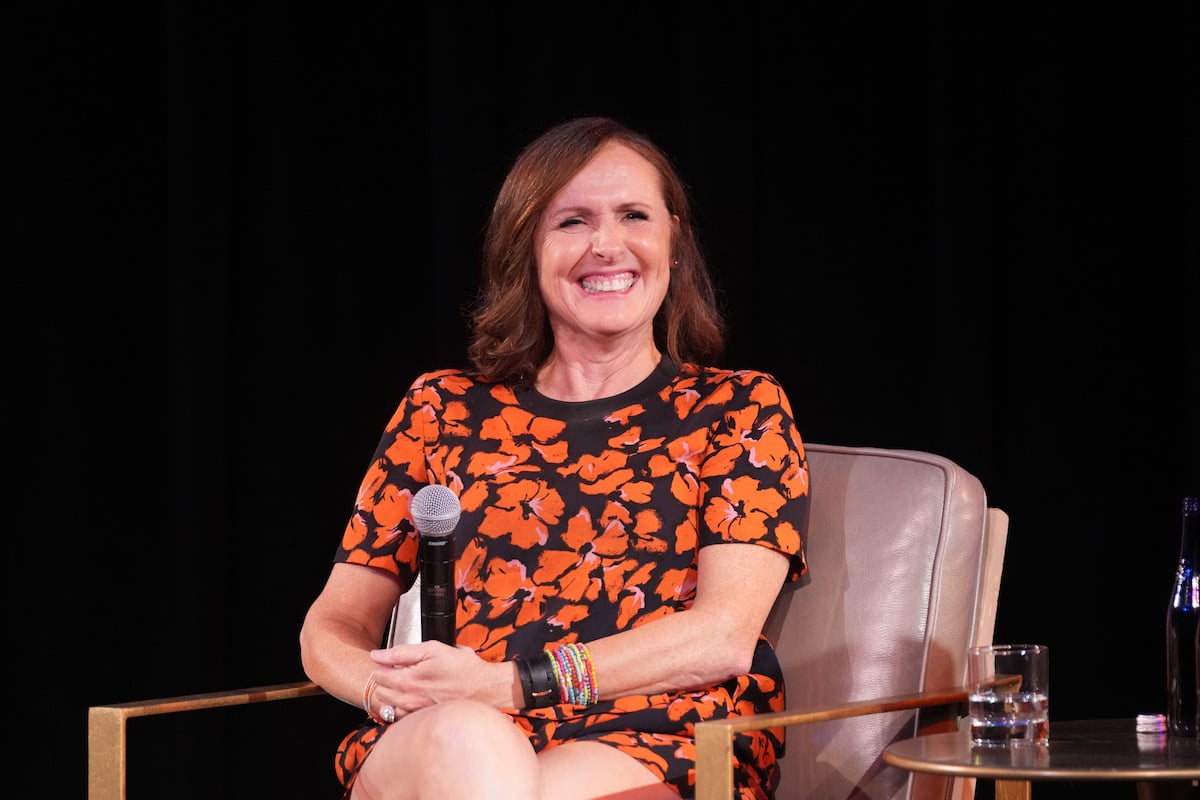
(905, 559)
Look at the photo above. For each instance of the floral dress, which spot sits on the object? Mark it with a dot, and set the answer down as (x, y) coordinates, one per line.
(580, 520)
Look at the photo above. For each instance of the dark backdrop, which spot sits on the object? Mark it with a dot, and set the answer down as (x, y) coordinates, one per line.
(970, 229)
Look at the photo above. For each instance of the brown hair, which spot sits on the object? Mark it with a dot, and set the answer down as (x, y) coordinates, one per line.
(511, 333)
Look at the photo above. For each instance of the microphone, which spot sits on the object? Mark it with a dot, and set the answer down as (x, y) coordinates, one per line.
(435, 510)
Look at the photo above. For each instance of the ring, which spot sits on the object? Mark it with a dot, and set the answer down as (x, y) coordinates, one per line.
(388, 714)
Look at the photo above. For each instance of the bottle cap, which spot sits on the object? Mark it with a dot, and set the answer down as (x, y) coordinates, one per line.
(1151, 723)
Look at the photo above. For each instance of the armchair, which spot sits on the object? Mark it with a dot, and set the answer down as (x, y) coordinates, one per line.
(906, 561)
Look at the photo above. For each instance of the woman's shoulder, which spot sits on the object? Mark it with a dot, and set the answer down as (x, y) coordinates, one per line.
(443, 377)
(714, 386)
(457, 382)
(721, 376)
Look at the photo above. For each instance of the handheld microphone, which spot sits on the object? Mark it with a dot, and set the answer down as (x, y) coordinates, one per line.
(435, 510)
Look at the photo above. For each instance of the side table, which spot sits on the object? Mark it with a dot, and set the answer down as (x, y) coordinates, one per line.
(1080, 750)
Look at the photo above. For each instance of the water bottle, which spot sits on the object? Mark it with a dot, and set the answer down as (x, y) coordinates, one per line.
(1183, 627)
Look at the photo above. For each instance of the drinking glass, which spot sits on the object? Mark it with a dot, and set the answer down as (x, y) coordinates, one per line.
(1009, 699)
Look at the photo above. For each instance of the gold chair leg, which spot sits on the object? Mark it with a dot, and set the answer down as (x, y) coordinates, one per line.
(1013, 790)
(106, 753)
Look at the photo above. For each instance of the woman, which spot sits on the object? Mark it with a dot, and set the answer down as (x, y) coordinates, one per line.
(629, 513)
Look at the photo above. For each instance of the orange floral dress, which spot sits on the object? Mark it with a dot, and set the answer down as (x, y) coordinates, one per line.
(580, 520)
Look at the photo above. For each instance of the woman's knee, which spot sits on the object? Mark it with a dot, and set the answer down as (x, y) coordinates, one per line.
(458, 748)
(455, 725)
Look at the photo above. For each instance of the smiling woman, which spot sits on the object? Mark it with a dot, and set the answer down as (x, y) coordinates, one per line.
(629, 512)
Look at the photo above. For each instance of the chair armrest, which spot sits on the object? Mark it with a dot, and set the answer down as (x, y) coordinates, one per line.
(714, 738)
(106, 727)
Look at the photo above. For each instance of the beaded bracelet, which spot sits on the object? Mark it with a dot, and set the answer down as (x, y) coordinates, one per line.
(575, 673)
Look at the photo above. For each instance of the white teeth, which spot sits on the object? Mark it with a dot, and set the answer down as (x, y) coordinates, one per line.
(608, 284)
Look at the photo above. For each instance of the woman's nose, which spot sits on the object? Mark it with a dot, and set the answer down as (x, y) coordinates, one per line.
(607, 242)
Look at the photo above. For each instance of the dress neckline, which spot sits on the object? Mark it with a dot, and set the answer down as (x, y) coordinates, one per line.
(659, 378)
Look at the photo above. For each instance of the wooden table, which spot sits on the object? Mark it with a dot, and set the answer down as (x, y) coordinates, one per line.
(1080, 750)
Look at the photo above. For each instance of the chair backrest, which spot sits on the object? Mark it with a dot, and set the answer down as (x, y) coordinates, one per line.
(905, 559)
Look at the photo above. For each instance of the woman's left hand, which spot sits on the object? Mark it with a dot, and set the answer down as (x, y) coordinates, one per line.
(413, 676)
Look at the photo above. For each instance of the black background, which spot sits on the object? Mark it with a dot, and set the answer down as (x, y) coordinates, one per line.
(240, 232)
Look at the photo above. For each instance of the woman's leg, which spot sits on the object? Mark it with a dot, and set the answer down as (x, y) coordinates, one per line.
(456, 749)
(466, 749)
(591, 770)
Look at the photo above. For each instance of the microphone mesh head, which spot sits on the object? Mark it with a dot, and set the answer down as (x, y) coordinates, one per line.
(435, 510)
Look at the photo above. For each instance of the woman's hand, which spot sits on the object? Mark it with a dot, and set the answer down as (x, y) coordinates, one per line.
(413, 676)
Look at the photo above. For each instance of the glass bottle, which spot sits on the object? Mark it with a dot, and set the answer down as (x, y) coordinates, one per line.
(1183, 627)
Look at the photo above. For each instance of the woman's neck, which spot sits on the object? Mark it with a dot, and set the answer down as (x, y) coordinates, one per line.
(578, 378)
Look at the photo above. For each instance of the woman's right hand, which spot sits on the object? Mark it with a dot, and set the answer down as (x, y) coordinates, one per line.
(413, 676)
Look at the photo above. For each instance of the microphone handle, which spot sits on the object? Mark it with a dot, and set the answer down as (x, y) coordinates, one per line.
(437, 589)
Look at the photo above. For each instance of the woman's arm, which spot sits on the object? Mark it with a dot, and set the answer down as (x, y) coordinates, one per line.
(339, 648)
(343, 625)
(713, 640)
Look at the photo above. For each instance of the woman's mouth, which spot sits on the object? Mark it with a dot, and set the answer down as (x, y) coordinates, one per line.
(608, 283)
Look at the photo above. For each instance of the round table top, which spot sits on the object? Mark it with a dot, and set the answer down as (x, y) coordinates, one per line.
(1105, 749)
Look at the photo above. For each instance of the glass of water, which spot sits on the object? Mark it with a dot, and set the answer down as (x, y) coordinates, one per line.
(1009, 700)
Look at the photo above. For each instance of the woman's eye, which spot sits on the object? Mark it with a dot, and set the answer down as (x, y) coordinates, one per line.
(567, 223)
(636, 215)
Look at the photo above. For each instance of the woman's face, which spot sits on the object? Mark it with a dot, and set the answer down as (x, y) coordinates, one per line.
(604, 251)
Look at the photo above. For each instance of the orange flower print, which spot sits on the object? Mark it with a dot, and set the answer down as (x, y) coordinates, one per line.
(686, 488)
(622, 416)
(499, 466)
(469, 567)
(580, 531)
(390, 512)
(489, 641)
(452, 420)
(355, 533)
(741, 427)
(637, 491)
(677, 583)
(632, 602)
(503, 394)
(518, 434)
(683, 454)
(474, 496)
(601, 474)
(646, 526)
(443, 461)
(740, 512)
(628, 437)
(372, 483)
(570, 573)
(568, 615)
(685, 399)
(613, 540)
(795, 479)
(509, 587)
(522, 512)
(768, 394)
(719, 395)
(789, 537)
(514, 423)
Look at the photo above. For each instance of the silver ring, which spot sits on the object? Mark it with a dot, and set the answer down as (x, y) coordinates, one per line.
(388, 714)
